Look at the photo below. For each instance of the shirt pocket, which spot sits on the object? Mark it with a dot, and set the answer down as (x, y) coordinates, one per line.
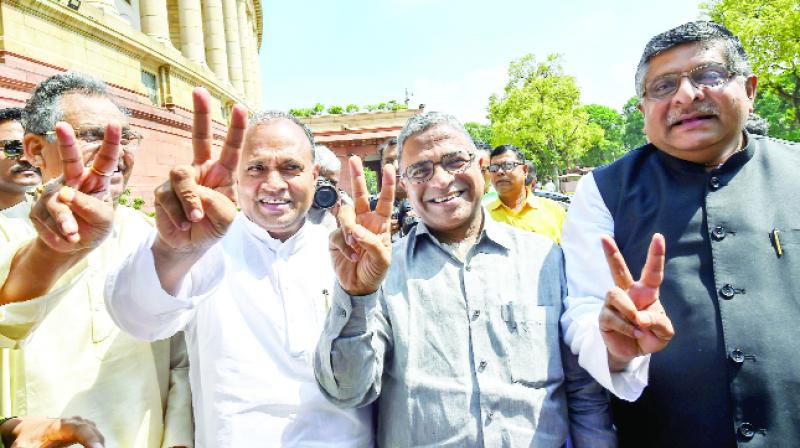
(534, 356)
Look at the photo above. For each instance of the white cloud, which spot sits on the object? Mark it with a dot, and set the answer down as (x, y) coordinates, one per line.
(466, 97)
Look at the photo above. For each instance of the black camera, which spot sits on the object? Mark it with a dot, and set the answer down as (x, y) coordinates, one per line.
(326, 194)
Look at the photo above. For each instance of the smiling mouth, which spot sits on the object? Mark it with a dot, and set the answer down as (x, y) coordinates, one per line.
(693, 120)
(273, 201)
(448, 198)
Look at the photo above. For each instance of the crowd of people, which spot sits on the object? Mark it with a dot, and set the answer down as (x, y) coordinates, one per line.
(265, 307)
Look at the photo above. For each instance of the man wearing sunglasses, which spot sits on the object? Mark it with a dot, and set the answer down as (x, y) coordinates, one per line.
(706, 217)
(17, 176)
(516, 204)
(457, 341)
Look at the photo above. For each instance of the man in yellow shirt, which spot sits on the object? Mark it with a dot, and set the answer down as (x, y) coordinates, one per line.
(62, 355)
(516, 204)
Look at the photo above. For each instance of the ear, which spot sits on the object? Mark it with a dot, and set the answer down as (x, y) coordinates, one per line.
(750, 85)
(315, 172)
(33, 145)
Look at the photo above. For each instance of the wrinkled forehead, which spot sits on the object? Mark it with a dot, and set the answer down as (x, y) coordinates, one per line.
(276, 138)
(434, 141)
(11, 130)
(83, 110)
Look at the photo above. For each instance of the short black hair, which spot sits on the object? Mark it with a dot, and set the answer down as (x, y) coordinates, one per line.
(391, 141)
(10, 113)
(502, 149)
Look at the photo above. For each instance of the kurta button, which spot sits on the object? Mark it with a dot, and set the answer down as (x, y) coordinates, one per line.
(714, 183)
(468, 268)
(727, 292)
(718, 233)
(482, 365)
(737, 356)
(476, 314)
(746, 430)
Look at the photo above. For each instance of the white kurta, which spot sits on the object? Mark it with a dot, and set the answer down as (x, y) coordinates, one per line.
(252, 309)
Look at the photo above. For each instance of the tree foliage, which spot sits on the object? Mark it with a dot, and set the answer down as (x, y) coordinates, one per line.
(480, 133)
(609, 148)
(633, 136)
(770, 33)
(540, 112)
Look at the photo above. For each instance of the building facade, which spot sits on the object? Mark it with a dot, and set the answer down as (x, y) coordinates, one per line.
(152, 53)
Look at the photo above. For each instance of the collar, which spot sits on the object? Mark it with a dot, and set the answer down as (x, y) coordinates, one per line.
(275, 245)
(530, 199)
(492, 232)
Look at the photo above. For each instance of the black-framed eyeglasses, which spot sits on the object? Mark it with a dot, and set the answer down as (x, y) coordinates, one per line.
(706, 76)
(503, 166)
(92, 133)
(12, 149)
(454, 163)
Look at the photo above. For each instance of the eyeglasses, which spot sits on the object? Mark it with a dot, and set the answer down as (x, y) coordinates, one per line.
(707, 76)
(92, 133)
(12, 149)
(503, 166)
(454, 163)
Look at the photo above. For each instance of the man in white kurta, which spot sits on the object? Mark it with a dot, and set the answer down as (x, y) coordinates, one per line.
(252, 305)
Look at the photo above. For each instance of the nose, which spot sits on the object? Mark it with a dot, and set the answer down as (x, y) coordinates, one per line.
(441, 177)
(273, 181)
(687, 92)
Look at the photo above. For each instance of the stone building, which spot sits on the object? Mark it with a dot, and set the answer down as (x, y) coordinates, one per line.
(152, 53)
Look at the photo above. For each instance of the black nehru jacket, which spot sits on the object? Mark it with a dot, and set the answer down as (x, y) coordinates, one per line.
(731, 374)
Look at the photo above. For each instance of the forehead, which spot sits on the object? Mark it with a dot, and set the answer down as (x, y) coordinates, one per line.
(439, 138)
(686, 57)
(11, 130)
(279, 137)
(508, 155)
(80, 109)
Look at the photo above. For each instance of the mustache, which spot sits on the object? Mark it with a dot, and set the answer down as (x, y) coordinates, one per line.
(674, 116)
(24, 166)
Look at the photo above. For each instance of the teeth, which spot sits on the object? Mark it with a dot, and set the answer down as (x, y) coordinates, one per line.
(450, 196)
(273, 201)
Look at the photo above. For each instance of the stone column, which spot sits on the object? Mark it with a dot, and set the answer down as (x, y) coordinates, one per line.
(233, 43)
(214, 26)
(155, 22)
(245, 33)
(191, 20)
(256, 69)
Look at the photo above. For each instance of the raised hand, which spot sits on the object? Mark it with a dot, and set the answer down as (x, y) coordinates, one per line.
(361, 247)
(632, 320)
(51, 432)
(75, 212)
(195, 207)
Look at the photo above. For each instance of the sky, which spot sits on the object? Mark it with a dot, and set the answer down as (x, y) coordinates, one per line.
(451, 55)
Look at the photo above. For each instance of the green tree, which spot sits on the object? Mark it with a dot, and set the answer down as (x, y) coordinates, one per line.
(778, 113)
(351, 108)
(371, 178)
(335, 110)
(480, 133)
(609, 148)
(540, 112)
(770, 33)
(633, 134)
(318, 109)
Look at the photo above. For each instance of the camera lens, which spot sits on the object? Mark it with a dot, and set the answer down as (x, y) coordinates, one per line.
(326, 196)
(12, 148)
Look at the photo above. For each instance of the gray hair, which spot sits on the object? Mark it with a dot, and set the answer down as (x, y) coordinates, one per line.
(757, 125)
(424, 121)
(699, 31)
(270, 115)
(328, 162)
(43, 109)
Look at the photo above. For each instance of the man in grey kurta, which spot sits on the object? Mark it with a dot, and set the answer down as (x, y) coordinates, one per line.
(460, 343)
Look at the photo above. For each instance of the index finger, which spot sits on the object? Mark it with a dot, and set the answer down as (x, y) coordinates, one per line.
(653, 270)
(359, 183)
(71, 157)
(201, 127)
(386, 198)
(619, 270)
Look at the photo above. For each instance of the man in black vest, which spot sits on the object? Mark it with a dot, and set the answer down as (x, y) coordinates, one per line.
(726, 204)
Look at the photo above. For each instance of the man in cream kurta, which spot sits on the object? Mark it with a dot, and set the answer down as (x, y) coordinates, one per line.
(62, 354)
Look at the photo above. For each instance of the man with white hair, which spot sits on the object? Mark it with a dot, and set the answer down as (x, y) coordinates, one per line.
(250, 289)
(329, 170)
